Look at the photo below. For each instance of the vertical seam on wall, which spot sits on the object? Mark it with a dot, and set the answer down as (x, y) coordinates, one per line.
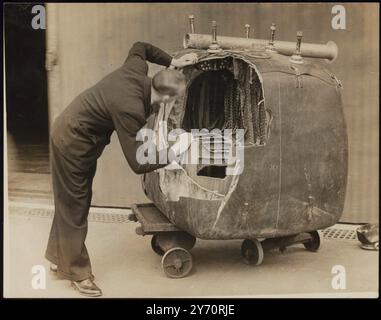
(280, 154)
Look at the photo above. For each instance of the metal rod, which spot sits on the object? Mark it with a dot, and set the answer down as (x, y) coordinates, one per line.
(214, 32)
(247, 30)
(299, 36)
(272, 35)
(272, 243)
(191, 23)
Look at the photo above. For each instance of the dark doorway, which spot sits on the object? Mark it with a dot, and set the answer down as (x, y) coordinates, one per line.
(26, 104)
(26, 90)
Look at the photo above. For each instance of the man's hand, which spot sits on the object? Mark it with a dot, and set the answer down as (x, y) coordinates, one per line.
(173, 166)
(185, 60)
(182, 143)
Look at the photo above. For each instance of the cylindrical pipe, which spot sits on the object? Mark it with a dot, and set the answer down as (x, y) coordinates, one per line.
(327, 51)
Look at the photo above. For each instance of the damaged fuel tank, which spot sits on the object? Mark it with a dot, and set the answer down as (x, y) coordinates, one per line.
(295, 145)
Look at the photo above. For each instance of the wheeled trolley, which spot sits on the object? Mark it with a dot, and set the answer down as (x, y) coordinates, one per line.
(167, 241)
(174, 244)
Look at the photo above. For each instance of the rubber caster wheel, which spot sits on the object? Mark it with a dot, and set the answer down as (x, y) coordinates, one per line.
(252, 252)
(313, 244)
(177, 263)
(155, 246)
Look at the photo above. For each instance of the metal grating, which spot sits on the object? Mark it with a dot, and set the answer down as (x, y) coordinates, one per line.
(97, 216)
(341, 234)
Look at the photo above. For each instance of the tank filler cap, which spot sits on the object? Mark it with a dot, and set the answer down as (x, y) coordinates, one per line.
(214, 47)
(297, 56)
(271, 45)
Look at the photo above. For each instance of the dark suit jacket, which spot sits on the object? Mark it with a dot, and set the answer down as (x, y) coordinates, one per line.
(121, 102)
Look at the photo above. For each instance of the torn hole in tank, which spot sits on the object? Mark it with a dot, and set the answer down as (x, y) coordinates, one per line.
(213, 171)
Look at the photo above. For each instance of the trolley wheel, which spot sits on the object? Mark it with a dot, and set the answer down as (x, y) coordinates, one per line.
(314, 243)
(155, 246)
(177, 263)
(252, 252)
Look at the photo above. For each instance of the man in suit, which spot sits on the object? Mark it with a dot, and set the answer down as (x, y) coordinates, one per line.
(122, 101)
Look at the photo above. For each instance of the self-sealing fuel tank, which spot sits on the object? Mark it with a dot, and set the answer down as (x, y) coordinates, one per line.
(295, 148)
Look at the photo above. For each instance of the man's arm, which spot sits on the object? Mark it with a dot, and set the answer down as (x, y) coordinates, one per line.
(142, 52)
(127, 127)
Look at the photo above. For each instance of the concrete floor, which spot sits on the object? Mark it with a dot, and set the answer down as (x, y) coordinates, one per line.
(125, 266)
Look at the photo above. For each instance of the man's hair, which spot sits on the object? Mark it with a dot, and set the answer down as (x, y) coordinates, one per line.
(168, 81)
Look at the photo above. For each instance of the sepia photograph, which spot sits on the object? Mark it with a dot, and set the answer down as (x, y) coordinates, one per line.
(191, 150)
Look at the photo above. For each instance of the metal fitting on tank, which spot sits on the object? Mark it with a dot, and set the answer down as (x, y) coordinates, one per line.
(191, 23)
(271, 45)
(214, 47)
(297, 56)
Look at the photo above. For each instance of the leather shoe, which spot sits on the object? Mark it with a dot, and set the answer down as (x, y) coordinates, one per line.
(87, 287)
(53, 268)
